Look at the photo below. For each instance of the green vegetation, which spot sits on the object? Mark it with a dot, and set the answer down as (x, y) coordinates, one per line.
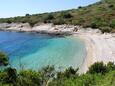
(3, 59)
(99, 74)
(98, 67)
(99, 15)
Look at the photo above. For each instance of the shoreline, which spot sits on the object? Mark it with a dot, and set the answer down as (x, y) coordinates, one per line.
(99, 47)
(49, 29)
(87, 59)
(89, 55)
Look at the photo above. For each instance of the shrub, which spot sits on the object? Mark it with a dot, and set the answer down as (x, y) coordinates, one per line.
(81, 20)
(94, 25)
(59, 21)
(8, 21)
(112, 24)
(49, 17)
(11, 75)
(110, 66)
(68, 73)
(66, 15)
(30, 78)
(111, 6)
(105, 29)
(80, 7)
(32, 23)
(27, 15)
(98, 67)
(3, 59)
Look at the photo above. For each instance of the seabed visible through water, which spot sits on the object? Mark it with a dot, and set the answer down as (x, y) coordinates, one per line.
(34, 51)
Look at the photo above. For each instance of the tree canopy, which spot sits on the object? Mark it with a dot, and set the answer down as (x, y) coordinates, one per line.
(3, 59)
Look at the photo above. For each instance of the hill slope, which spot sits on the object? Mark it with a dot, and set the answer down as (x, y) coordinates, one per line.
(99, 15)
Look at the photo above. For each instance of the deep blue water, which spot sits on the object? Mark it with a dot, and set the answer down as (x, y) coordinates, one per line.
(34, 51)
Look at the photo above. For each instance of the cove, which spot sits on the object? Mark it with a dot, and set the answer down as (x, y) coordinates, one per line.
(34, 51)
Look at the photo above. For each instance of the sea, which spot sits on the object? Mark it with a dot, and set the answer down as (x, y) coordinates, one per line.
(35, 51)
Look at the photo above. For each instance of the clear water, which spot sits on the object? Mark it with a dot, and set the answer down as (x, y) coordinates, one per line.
(34, 51)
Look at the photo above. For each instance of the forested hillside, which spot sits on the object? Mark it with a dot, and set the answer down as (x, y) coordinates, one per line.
(99, 15)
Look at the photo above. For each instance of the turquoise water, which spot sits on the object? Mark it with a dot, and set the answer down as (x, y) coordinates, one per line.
(34, 51)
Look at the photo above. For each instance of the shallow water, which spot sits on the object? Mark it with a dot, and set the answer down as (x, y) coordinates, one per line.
(34, 51)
